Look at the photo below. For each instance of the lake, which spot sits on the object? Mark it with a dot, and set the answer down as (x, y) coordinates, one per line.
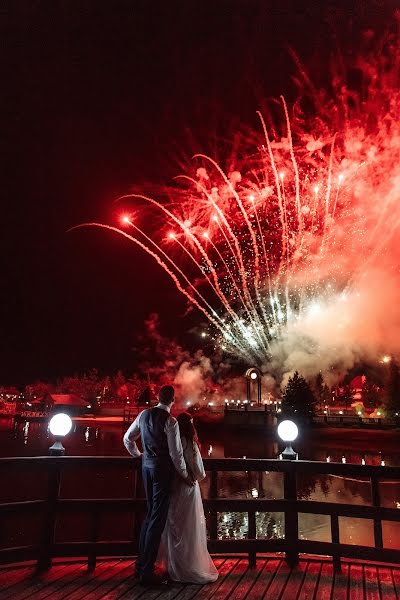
(33, 439)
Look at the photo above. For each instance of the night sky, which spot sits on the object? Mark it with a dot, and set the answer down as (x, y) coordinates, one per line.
(100, 98)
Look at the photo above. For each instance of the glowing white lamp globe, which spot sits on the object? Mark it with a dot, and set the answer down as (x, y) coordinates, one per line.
(60, 424)
(288, 432)
(254, 375)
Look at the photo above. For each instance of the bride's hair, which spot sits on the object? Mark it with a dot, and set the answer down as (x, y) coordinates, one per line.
(187, 429)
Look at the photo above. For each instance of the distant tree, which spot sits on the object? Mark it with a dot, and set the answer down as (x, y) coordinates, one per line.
(371, 395)
(392, 391)
(298, 400)
(346, 396)
(39, 389)
(321, 391)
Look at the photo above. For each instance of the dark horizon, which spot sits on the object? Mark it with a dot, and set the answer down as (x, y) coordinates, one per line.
(102, 98)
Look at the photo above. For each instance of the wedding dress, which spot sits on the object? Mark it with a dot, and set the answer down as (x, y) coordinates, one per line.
(183, 549)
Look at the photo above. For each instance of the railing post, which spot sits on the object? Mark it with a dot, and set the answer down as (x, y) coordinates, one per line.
(291, 518)
(337, 565)
(214, 514)
(376, 502)
(94, 528)
(252, 536)
(50, 518)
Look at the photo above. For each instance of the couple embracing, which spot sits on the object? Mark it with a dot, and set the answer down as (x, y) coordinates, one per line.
(174, 531)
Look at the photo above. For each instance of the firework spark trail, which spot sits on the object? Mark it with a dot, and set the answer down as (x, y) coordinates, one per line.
(237, 256)
(251, 230)
(210, 317)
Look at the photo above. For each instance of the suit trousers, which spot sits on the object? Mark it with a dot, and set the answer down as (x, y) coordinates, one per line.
(157, 481)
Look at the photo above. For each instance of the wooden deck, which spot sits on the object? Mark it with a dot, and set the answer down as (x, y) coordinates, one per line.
(271, 578)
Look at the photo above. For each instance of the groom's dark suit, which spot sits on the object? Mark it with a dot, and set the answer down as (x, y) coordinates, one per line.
(162, 451)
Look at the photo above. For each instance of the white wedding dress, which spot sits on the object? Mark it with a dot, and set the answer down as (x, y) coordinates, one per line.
(183, 549)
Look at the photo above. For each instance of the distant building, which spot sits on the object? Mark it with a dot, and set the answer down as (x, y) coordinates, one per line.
(68, 403)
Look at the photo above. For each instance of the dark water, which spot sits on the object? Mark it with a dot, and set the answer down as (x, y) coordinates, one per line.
(101, 438)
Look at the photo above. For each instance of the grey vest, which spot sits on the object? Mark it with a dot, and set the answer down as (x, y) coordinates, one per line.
(154, 439)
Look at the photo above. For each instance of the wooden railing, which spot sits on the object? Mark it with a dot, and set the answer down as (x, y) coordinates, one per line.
(54, 505)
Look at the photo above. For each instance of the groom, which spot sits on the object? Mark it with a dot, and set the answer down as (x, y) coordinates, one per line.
(162, 456)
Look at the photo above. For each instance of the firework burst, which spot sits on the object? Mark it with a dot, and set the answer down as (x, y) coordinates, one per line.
(283, 237)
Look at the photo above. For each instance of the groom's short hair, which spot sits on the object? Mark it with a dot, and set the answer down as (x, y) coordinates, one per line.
(166, 394)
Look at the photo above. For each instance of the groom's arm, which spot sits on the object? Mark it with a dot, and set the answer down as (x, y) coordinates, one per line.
(131, 436)
(175, 447)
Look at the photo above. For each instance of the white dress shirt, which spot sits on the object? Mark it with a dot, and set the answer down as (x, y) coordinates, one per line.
(171, 430)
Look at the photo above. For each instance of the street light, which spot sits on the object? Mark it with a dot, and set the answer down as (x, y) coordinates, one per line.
(60, 425)
(288, 432)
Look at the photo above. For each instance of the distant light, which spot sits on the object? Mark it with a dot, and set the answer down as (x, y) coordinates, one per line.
(340, 412)
(205, 235)
(382, 463)
(288, 431)
(379, 413)
(328, 459)
(60, 424)
(125, 219)
(254, 493)
(171, 235)
(188, 403)
(281, 175)
(325, 412)
(209, 451)
(359, 413)
(253, 375)
(386, 358)
(363, 461)
(252, 197)
(343, 459)
(89, 406)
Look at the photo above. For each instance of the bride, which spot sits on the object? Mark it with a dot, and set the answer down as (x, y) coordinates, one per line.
(183, 549)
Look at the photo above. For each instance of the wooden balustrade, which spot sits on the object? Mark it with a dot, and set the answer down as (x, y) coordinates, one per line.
(291, 505)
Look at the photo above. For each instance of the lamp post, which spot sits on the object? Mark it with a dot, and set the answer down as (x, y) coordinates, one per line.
(288, 432)
(59, 426)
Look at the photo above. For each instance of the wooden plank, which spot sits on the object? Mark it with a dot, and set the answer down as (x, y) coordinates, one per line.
(295, 581)
(121, 572)
(371, 583)
(324, 590)
(229, 584)
(78, 581)
(341, 583)
(356, 588)
(33, 584)
(207, 590)
(386, 582)
(91, 580)
(9, 577)
(264, 580)
(396, 579)
(53, 587)
(310, 581)
(248, 580)
(278, 583)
